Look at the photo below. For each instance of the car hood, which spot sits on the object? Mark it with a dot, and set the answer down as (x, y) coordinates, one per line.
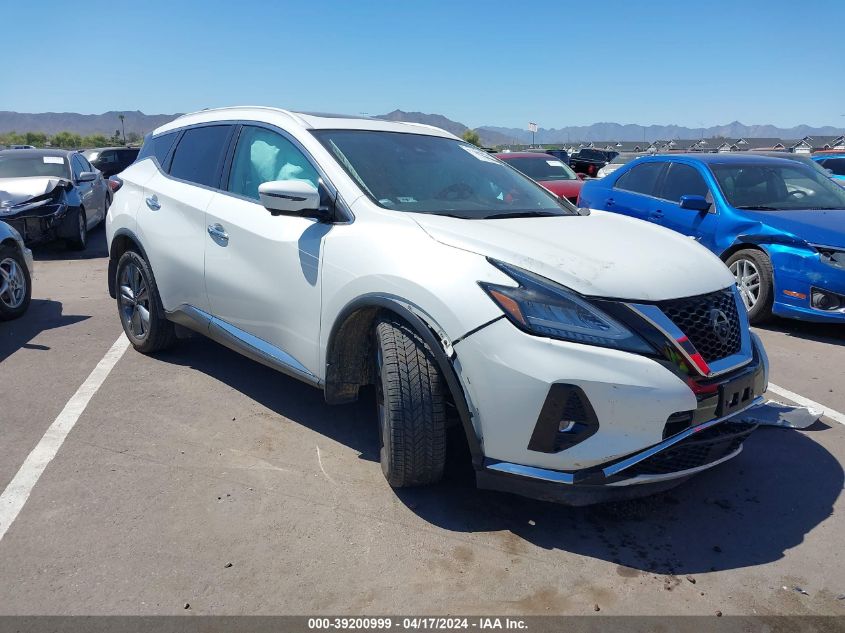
(14, 191)
(600, 255)
(814, 226)
(563, 188)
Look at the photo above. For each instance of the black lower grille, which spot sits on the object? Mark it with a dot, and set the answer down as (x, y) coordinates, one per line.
(697, 450)
(711, 322)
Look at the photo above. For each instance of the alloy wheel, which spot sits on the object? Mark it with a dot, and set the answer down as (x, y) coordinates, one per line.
(747, 280)
(134, 301)
(12, 284)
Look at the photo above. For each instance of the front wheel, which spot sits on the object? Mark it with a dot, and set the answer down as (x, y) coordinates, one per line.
(410, 395)
(79, 236)
(752, 270)
(15, 284)
(139, 305)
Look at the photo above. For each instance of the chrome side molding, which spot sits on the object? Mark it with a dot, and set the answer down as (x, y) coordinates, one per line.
(242, 342)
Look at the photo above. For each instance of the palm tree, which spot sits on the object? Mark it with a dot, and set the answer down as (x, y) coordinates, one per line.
(123, 129)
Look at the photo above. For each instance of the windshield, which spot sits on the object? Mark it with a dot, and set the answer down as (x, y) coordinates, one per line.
(777, 187)
(431, 174)
(17, 166)
(546, 168)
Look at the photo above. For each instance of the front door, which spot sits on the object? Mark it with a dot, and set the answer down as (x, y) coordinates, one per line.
(262, 271)
(684, 180)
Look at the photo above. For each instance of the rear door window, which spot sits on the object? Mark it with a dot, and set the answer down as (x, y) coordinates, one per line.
(641, 179)
(683, 180)
(199, 156)
(836, 165)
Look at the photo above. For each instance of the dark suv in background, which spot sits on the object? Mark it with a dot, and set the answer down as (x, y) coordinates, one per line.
(111, 160)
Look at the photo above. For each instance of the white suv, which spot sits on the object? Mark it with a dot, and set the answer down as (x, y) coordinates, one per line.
(586, 355)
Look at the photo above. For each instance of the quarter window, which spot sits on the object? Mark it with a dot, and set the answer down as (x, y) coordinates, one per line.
(641, 179)
(157, 147)
(263, 156)
(199, 155)
(683, 180)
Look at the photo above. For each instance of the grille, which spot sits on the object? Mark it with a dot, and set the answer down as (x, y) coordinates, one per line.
(693, 317)
(697, 450)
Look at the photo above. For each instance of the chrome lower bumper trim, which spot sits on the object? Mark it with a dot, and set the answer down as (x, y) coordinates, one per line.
(557, 476)
(650, 479)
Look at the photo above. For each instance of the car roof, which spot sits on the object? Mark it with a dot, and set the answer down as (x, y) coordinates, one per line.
(537, 155)
(287, 119)
(728, 158)
(103, 149)
(37, 152)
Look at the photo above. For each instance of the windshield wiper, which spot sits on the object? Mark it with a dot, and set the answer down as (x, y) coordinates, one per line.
(825, 208)
(753, 207)
(523, 214)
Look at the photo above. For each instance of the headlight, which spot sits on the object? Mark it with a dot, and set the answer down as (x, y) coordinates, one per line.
(830, 255)
(541, 307)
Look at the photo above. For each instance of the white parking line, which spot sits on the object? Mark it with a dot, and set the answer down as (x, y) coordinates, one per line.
(806, 402)
(17, 492)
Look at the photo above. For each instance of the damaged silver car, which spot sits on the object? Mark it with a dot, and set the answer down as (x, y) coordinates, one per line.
(51, 195)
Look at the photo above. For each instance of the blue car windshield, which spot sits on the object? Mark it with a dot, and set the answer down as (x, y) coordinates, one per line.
(777, 187)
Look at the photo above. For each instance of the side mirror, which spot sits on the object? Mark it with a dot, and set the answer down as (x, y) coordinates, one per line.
(581, 176)
(694, 203)
(87, 176)
(292, 197)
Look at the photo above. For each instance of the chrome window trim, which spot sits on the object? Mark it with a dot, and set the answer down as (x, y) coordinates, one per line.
(232, 146)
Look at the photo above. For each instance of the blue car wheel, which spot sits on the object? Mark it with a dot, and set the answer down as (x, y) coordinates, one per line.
(754, 279)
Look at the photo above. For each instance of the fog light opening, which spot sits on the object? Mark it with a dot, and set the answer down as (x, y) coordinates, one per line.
(823, 300)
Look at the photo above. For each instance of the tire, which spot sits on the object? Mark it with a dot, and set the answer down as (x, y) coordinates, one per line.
(410, 399)
(15, 283)
(137, 296)
(79, 231)
(753, 272)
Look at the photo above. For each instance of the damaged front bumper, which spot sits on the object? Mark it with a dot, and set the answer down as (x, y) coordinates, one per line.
(652, 470)
(42, 224)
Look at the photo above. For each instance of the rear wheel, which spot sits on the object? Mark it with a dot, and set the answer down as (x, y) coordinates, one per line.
(752, 270)
(410, 396)
(139, 305)
(79, 239)
(15, 283)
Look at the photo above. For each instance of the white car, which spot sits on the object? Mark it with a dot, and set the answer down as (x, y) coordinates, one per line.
(586, 356)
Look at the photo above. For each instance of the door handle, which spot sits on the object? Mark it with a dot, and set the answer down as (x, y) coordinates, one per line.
(609, 202)
(153, 203)
(657, 215)
(218, 232)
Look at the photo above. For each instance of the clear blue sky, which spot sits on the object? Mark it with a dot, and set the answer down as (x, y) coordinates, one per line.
(694, 63)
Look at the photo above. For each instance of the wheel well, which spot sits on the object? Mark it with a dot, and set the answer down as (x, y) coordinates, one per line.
(741, 246)
(120, 244)
(10, 242)
(349, 364)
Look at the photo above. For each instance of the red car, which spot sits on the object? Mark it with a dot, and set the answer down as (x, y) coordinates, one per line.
(547, 170)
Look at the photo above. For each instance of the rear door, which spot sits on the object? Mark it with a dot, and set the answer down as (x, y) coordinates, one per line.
(634, 191)
(171, 222)
(682, 179)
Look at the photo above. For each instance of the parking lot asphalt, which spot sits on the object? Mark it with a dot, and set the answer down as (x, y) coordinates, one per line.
(200, 478)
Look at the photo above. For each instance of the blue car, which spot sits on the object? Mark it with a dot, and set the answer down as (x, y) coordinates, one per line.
(835, 163)
(778, 224)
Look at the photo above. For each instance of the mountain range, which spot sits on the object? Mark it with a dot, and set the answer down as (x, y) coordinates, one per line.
(108, 122)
